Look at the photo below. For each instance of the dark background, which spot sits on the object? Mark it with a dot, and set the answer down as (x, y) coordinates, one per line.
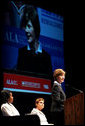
(74, 29)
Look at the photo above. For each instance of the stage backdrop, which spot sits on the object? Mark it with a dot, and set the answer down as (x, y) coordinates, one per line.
(51, 37)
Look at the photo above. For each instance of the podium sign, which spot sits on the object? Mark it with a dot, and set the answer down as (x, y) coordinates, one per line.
(74, 110)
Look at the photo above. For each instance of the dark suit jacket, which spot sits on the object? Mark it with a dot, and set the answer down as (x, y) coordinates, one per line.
(31, 62)
(58, 98)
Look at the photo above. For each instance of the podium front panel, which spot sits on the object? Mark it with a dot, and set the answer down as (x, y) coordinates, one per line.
(74, 110)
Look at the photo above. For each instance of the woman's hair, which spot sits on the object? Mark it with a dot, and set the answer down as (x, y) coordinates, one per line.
(5, 95)
(58, 72)
(30, 14)
(38, 100)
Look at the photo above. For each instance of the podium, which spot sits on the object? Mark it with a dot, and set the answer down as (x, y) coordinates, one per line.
(74, 110)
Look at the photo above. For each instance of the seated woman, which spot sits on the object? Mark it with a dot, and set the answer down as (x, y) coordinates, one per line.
(39, 103)
(7, 107)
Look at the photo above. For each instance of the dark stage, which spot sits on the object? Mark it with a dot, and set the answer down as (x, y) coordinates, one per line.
(73, 57)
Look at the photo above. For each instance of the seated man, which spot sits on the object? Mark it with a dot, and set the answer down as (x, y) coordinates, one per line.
(39, 103)
(7, 107)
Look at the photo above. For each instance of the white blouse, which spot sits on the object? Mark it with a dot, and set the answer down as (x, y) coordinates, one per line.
(41, 115)
(8, 109)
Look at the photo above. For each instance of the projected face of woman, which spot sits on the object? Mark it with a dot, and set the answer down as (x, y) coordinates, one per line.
(29, 29)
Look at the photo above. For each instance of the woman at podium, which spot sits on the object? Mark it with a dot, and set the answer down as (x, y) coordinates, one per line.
(58, 97)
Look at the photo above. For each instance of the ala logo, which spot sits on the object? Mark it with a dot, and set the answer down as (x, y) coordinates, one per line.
(11, 82)
(46, 86)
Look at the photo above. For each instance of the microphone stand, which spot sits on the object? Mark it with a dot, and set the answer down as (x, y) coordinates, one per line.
(70, 90)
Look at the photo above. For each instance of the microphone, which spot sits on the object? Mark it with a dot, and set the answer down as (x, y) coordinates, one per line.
(67, 85)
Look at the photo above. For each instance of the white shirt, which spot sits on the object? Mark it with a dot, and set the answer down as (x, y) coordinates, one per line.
(9, 110)
(41, 115)
(55, 82)
(39, 50)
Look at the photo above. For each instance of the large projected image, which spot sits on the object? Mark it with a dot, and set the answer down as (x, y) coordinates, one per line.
(52, 36)
(32, 42)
